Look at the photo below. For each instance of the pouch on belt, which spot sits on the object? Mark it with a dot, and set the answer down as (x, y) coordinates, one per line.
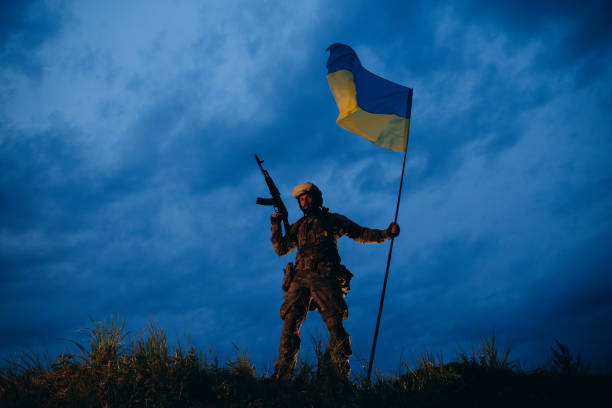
(288, 274)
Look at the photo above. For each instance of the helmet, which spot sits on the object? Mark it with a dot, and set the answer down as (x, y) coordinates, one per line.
(308, 188)
(304, 188)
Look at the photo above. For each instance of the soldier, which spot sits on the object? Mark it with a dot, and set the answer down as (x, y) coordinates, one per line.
(318, 281)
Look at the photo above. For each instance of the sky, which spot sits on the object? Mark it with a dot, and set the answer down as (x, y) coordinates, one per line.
(128, 183)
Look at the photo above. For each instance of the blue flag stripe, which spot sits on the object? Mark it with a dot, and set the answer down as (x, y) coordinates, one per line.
(374, 94)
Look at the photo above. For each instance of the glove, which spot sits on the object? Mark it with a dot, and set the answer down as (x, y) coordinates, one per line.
(390, 230)
(276, 218)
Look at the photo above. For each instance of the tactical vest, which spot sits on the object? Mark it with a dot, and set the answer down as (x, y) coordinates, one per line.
(316, 237)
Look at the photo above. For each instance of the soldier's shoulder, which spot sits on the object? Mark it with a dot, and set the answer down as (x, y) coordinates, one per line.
(337, 218)
(297, 224)
(299, 220)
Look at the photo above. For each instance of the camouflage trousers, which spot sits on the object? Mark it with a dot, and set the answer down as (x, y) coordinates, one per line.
(307, 293)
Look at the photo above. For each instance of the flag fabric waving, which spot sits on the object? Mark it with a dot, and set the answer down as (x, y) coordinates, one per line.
(370, 106)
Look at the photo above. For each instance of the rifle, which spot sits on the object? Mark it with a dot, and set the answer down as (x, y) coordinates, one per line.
(276, 200)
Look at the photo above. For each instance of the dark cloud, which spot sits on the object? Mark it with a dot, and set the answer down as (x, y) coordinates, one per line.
(37, 170)
(586, 35)
(24, 27)
(582, 280)
(587, 24)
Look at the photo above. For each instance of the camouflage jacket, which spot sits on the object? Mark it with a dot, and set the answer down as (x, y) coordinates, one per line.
(316, 237)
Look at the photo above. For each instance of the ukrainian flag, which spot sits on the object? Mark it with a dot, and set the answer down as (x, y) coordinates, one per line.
(370, 106)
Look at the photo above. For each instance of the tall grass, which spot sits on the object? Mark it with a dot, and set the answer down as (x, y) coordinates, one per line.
(487, 354)
(114, 369)
(565, 364)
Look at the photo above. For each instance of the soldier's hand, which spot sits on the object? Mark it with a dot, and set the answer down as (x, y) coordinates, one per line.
(276, 217)
(393, 230)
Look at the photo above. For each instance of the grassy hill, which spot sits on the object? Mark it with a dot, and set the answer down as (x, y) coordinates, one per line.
(114, 370)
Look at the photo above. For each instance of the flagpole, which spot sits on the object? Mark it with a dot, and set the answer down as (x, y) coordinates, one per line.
(399, 196)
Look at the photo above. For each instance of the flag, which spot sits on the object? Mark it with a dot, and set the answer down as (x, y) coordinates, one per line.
(370, 106)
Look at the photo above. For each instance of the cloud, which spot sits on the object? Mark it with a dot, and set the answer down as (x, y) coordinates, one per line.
(106, 77)
(127, 180)
(24, 27)
(587, 29)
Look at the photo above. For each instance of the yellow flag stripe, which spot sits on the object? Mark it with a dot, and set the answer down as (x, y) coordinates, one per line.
(388, 131)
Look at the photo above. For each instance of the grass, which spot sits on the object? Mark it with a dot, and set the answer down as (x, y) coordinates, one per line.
(113, 369)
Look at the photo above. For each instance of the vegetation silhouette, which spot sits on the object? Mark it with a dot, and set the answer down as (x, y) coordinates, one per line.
(116, 370)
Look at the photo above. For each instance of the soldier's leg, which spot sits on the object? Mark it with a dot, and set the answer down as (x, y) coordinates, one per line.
(339, 344)
(293, 316)
(329, 296)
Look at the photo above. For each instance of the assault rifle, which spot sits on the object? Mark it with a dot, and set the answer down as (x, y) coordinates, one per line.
(276, 200)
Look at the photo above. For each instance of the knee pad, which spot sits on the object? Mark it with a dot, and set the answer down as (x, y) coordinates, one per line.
(336, 328)
(341, 345)
(291, 342)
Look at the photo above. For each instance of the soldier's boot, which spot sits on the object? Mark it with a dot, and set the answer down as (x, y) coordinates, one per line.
(339, 346)
(342, 366)
(288, 349)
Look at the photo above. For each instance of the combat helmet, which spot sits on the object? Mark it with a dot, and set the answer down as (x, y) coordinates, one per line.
(308, 187)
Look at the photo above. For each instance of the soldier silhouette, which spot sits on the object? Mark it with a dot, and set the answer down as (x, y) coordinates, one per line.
(318, 281)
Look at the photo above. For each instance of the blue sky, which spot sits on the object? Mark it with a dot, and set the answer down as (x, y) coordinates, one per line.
(128, 184)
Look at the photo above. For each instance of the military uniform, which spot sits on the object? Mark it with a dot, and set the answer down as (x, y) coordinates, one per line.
(318, 282)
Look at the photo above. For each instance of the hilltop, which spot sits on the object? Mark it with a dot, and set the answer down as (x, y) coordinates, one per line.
(114, 370)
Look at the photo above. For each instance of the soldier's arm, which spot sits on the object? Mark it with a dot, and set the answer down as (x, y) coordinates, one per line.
(282, 245)
(365, 235)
